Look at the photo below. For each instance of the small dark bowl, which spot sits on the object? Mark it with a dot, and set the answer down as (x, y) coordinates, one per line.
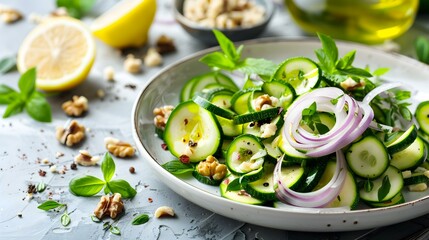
(205, 34)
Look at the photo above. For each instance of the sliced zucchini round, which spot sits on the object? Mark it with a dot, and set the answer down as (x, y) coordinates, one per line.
(301, 73)
(239, 100)
(206, 104)
(192, 131)
(239, 195)
(263, 188)
(205, 179)
(422, 116)
(257, 116)
(264, 129)
(368, 157)
(205, 80)
(403, 140)
(293, 176)
(393, 177)
(348, 196)
(411, 157)
(281, 90)
(245, 154)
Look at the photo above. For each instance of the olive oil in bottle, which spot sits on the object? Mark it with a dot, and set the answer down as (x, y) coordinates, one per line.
(367, 21)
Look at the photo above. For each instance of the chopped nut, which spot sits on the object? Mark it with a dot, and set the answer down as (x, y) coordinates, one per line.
(62, 171)
(406, 174)
(420, 187)
(152, 58)
(211, 167)
(59, 154)
(165, 44)
(42, 173)
(132, 64)
(268, 130)
(9, 15)
(119, 148)
(100, 93)
(263, 102)
(132, 170)
(53, 169)
(59, 12)
(164, 211)
(45, 161)
(84, 158)
(109, 73)
(76, 106)
(72, 134)
(109, 206)
(161, 116)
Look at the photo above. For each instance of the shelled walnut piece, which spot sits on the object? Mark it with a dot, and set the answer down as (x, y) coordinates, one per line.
(212, 168)
(224, 13)
(132, 64)
(9, 15)
(72, 134)
(164, 211)
(110, 206)
(161, 116)
(265, 101)
(75, 107)
(119, 148)
(165, 44)
(152, 58)
(84, 158)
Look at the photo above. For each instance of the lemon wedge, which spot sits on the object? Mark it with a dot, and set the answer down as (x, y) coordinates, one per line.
(62, 50)
(126, 24)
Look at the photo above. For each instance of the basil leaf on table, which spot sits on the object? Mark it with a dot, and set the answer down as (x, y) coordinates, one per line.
(7, 64)
(108, 167)
(15, 107)
(7, 94)
(38, 108)
(27, 83)
(115, 230)
(76, 8)
(140, 219)
(86, 186)
(50, 204)
(122, 187)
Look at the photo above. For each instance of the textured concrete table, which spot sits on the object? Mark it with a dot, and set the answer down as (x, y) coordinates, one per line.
(24, 142)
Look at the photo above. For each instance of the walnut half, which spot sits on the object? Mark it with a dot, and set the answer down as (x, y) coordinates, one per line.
(119, 148)
(72, 134)
(76, 107)
(84, 158)
(110, 206)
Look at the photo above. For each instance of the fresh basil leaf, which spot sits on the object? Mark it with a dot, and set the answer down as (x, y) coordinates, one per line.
(115, 230)
(7, 64)
(347, 60)
(359, 72)
(65, 219)
(329, 48)
(259, 66)
(76, 8)
(321, 128)
(16, 106)
(122, 187)
(95, 219)
(140, 219)
(38, 108)
(176, 167)
(402, 95)
(106, 225)
(27, 83)
(325, 62)
(405, 113)
(7, 94)
(384, 189)
(380, 71)
(106, 189)
(227, 46)
(422, 49)
(86, 186)
(108, 167)
(50, 204)
(234, 185)
(218, 60)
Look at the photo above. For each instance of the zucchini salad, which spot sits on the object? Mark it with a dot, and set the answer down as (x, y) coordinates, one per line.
(313, 133)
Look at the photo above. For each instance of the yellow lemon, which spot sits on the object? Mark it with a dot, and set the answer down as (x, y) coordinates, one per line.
(126, 24)
(62, 50)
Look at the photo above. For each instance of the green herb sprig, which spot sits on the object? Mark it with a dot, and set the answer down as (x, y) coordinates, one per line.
(28, 98)
(54, 205)
(86, 186)
(140, 219)
(230, 59)
(76, 8)
(311, 118)
(176, 167)
(384, 189)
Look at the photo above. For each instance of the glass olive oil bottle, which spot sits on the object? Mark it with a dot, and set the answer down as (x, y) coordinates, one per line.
(367, 21)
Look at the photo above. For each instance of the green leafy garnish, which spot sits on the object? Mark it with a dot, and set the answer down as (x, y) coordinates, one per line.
(41, 187)
(140, 219)
(89, 185)
(384, 189)
(230, 59)
(28, 98)
(176, 167)
(95, 219)
(368, 185)
(7, 64)
(65, 219)
(234, 185)
(422, 49)
(115, 230)
(311, 118)
(76, 8)
(50, 204)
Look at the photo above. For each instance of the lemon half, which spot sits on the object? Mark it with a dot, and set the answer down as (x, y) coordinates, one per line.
(126, 24)
(62, 50)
